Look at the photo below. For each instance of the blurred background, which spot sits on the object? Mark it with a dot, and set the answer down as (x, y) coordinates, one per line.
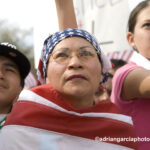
(26, 23)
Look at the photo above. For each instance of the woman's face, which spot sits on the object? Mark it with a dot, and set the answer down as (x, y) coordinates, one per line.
(140, 39)
(74, 68)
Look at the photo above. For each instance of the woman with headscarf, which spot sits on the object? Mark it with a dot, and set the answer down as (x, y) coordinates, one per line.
(62, 114)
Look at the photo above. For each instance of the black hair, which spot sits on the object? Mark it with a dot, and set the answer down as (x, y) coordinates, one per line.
(117, 63)
(22, 82)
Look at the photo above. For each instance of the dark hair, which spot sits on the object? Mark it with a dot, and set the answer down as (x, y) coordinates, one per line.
(134, 14)
(117, 63)
(22, 82)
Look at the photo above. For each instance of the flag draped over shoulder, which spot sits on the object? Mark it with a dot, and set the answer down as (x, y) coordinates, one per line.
(43, 120)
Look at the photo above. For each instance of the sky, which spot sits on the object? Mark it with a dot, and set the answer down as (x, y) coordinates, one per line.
(25, 12)
(18, 11)
(31, 13)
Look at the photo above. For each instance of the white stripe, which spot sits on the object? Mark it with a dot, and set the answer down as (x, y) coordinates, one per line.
(29, 138)
(33, 97)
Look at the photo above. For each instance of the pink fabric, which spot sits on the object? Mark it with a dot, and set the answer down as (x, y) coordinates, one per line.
(138, 109)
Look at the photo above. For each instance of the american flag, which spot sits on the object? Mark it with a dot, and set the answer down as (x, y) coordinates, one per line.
(43, 120)
(124, 55)
(30, 81)
(130, 56)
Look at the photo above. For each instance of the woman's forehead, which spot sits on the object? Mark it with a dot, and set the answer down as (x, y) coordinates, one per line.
(144, 14)
(73, 42)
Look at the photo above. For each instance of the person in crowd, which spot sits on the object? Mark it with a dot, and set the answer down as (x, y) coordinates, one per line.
(116, 64)
(104, 91)
(131, 83)
(14, 67)
(62, 114)
(68, 12)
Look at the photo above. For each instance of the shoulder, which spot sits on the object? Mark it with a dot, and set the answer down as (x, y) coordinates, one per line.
(118, 80)
(122, 72)
(45, 91)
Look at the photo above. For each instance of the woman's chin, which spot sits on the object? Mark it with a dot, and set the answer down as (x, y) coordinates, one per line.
(76, 91)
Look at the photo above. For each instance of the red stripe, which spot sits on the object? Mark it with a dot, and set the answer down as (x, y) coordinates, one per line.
(48, 92)
(41, 116)
(40, 68)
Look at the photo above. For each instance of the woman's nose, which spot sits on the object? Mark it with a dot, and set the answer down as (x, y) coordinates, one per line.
(75, 62)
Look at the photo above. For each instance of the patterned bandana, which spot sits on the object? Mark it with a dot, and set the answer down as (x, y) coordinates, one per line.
(55, 38)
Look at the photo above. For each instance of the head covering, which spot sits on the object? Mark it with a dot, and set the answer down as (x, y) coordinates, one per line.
(10, 51)
(55, 38)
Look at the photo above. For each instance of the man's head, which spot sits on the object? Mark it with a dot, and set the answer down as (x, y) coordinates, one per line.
(22, 62)
(14, 67)
(116, 63)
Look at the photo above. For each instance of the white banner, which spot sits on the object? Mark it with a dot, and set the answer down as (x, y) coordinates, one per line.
(106, 19)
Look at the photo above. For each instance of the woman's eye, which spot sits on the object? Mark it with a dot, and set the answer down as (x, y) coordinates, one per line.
(61, 55)
(147, 24)
(9, 70)
(86, 53)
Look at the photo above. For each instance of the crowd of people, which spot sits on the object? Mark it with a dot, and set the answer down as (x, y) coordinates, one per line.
(84, 101)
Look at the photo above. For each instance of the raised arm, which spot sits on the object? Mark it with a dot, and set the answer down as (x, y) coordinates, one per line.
(137, 84)
(66, 14)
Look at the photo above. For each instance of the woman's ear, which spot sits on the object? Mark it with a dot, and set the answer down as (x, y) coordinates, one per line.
(130, 39)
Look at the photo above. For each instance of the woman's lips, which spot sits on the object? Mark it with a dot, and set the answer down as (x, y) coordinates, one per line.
(2, 86)
(76, 77)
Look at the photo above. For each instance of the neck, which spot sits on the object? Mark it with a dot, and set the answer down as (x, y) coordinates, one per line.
(81, 102)
(4, 110)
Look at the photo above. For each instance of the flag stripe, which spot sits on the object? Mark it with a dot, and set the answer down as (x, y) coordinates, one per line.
(124, 54)
(49, 140)
(41, 100)
(44, 109)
